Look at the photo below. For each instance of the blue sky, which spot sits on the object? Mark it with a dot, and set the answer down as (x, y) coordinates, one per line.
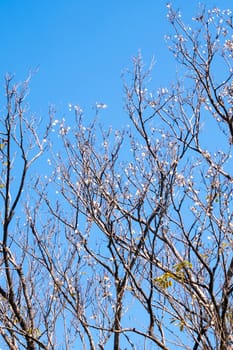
(82, 46)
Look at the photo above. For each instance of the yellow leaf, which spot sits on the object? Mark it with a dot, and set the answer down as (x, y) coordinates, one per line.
(164, 281)
(182, 324)
(182, 265)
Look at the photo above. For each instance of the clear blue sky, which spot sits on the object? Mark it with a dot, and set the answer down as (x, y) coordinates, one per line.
(82, 46)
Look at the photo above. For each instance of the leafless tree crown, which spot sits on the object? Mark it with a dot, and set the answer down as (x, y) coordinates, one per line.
(122, 239)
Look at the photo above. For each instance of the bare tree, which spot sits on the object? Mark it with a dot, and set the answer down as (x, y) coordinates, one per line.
(127, 242)
(25, 301)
